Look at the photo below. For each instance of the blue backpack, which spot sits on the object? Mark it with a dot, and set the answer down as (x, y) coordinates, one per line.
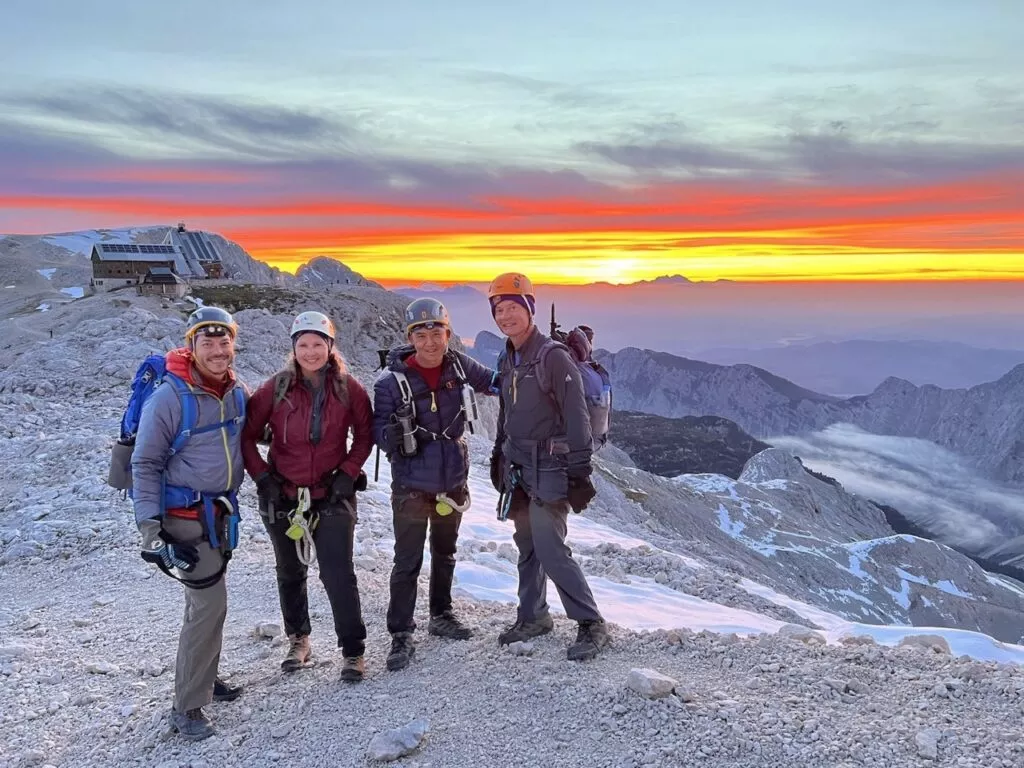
(151, 373)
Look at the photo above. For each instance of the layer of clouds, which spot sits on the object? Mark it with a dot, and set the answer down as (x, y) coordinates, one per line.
(929, 485)
(187, 122)
(188, 150)
(829, 155)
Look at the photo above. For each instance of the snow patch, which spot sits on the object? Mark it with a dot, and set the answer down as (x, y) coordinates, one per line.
(44, 307)
(856, 569)
(727, 525)
(47, 273)
(1001, 581)
(76, 292)
(707, 483)
(944, 585)
(961, 641)
(903, 596)
(79, 242)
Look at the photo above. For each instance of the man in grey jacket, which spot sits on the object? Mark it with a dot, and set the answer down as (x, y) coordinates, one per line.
(541, 466)
(186, 471)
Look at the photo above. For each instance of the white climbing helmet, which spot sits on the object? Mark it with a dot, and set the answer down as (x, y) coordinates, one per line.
(315, 322)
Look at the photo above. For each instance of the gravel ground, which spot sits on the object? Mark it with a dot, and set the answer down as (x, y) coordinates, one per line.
(87, 656)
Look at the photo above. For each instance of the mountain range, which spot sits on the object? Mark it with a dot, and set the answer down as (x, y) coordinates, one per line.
(775, 529)
(857, 366)
(984, 423)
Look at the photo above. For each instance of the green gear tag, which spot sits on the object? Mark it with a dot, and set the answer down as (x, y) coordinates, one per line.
(443, 508)
(294, 531)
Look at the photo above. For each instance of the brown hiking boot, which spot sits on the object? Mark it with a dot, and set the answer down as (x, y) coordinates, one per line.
(298, 653)
(353, 669)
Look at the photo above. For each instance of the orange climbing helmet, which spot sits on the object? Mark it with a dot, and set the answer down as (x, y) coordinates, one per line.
(512, 286)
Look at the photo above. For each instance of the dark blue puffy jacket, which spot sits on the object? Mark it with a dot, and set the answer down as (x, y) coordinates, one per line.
(441, 464)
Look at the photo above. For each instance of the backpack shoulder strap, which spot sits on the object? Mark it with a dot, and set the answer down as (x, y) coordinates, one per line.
(189, 411)
(239, 396)
(282, 383)
(405, 390)
(460, 372)
(541, 366)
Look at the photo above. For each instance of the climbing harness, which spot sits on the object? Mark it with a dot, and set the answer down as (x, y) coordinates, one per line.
(446, 505)
(301, 526)
(515, 476)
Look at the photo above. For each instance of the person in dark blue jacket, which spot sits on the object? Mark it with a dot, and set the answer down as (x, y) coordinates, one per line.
(419, 417)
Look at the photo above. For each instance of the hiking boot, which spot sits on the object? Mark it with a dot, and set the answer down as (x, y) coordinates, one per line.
(353, 669)
(298, 653)
(522, 631)
(446, 625)
(402, 650)
(193, 725)
(223, 691)
(591, 637)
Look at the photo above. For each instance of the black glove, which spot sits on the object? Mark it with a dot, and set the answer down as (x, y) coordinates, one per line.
(581, 492)
(393, 436)
(343, 486)
(268, 484)
(496, 478)
(173, 555)
(361, 481)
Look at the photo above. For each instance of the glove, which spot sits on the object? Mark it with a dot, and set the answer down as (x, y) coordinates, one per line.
(343, 486)
(393, 436)
(581, 492)
(269, 486)
(172, 554)
(496, 478)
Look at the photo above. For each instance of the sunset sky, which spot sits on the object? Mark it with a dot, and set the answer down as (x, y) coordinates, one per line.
(576, 141)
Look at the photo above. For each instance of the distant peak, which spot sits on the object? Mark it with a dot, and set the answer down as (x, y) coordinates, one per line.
(667, 280)
(895, 384)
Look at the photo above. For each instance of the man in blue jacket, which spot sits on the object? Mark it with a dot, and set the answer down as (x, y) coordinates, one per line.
(419, 417)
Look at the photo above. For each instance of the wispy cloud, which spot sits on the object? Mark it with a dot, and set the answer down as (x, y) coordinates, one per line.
(197, 123)
(926, 483)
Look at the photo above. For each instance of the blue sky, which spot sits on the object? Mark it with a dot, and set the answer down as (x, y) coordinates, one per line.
(530, 79)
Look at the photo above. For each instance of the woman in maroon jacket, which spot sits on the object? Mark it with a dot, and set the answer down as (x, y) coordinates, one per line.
(308, 482)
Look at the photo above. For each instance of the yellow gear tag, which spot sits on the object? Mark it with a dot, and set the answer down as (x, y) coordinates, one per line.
(443, 509)
(294, 532)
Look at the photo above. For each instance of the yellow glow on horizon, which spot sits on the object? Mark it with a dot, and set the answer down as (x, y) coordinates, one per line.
(623, 257)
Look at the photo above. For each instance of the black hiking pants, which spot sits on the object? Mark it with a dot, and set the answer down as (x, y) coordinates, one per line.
(334, 538)
(413, 512)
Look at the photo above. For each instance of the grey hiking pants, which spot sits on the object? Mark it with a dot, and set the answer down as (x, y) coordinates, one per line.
(201, 633)
(543, 553)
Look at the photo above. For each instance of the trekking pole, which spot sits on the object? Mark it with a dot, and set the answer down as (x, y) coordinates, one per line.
(376, 466)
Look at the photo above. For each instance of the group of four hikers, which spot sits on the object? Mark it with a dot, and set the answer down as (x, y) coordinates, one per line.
(200, 429)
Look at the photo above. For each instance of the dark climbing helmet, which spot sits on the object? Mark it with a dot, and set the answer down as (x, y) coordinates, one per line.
(210, 321)
(426, 313)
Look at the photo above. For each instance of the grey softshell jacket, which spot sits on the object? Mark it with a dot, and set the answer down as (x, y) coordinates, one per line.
(544, 431)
